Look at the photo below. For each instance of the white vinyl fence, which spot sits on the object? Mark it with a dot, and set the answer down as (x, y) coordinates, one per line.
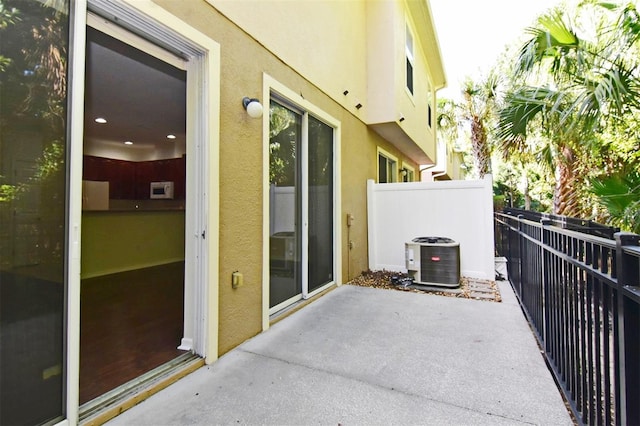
(461, 210)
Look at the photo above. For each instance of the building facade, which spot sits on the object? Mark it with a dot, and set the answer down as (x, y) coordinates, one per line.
(150, 223)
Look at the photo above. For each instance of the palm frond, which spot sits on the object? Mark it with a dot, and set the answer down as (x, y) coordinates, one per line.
(520, 109)
(629, 23)
(608, 93)
(552, 39)
(620, 195)
(607, 5)
(491, 84)
(546, 158)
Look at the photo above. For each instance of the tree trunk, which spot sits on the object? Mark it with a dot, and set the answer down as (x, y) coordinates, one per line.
(527, 195)
(564, 197)
(480, 147)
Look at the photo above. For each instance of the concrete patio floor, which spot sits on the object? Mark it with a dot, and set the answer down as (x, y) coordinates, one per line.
(366, 356)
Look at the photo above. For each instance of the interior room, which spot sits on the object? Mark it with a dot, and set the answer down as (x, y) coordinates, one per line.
(133, 219)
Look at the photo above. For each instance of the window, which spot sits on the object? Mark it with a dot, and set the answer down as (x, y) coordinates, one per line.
(387, 167)
(407, 173)
(409, 59)
(429, 108)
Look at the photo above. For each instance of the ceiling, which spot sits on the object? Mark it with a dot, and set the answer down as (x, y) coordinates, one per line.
(142, 98)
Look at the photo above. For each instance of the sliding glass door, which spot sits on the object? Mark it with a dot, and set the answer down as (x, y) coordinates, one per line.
(320, 202)
(285, 204)
(33, 171)
(301, 210)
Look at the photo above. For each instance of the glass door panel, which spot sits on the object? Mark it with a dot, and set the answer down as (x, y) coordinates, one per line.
(320, 204)
(33, 60)
(285, 204)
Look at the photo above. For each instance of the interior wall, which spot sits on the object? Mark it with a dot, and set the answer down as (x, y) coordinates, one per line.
(123, 241)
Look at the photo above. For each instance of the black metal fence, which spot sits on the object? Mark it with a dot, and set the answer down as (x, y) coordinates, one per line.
(581, 293)
(575, 224)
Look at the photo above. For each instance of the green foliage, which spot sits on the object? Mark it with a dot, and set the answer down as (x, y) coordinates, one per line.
(450, 122)
(552, 39)
(51, 161)
(8, 192)
(574, 101)
(619, 193)
(49, 166)
(8, 16)
(523, 184)
(522, 106)
(283, 134)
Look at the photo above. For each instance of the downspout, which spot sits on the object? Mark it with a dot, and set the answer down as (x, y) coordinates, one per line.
(423, 169)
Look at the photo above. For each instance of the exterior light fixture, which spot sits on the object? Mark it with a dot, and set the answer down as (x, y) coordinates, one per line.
(100, 120)
(253, 107)
(128, 143)
(171, 136)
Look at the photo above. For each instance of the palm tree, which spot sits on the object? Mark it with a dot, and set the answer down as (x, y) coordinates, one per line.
(447, 120)
(588, 84)
(527, 108)
(478, 108)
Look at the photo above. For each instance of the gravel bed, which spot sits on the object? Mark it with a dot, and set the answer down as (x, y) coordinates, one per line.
(470, 288)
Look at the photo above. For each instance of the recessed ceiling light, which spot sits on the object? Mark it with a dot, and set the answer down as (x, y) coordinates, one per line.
(100, 120)
(128, 143)
(171, 136)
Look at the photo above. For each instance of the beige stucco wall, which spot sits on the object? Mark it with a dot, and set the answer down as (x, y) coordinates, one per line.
(240, 173)
(243, 62)
(388, 97)
(327, 47)
(355, 46)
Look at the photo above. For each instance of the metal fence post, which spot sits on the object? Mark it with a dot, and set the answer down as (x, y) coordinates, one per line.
(521, 249)
(545, 280)
(628, 320)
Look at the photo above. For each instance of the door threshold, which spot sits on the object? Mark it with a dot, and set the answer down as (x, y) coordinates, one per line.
(107, 406)
(296, 306)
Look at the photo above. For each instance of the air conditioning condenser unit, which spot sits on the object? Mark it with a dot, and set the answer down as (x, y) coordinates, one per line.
(433, 261)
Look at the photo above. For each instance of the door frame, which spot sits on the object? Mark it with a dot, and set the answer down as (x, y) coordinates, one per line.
(272, 86)
(202, 224)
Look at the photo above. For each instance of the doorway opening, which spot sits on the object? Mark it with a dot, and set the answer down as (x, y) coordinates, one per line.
(133, 210)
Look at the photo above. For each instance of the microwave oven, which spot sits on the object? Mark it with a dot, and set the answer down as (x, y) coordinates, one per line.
(161, 190)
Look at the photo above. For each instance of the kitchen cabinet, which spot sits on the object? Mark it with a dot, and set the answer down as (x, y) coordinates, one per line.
(130, 180)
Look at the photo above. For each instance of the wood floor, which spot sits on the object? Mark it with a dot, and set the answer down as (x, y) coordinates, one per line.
(131, 323)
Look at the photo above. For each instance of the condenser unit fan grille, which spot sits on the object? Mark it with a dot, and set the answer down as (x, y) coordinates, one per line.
(433, 261)
(440, 264)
